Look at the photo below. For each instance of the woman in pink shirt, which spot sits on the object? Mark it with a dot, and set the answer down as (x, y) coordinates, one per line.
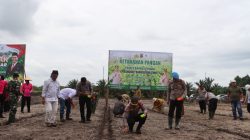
(26, 89)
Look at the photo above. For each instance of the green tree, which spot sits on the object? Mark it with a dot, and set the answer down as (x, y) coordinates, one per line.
(72, 84)
(207, 83)
(190, 88)
(102, 87)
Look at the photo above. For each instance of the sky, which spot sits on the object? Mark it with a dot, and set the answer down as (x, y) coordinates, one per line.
(207, 38)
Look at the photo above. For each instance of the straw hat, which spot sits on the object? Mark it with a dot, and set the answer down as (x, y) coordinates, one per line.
(27, 78)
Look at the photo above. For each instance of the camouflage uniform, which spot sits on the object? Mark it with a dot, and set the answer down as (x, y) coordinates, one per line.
(14, 92)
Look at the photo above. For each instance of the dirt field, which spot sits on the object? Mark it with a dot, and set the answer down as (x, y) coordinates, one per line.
(194, 126)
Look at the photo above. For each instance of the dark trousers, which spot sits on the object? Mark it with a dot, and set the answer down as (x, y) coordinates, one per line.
(175, 105)
(24, 101)
(248, 107)
(203, 107)
(1, 104)
(132, 119)
(82, 101)
(63, 104)
(212, 105)
(6, 107)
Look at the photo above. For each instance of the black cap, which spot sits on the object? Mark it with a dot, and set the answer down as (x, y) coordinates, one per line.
(134, 100)
(83, 79)
(14, 54)
(15, 74)
(55, 72)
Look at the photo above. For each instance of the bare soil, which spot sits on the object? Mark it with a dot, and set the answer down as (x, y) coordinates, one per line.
(194, 126)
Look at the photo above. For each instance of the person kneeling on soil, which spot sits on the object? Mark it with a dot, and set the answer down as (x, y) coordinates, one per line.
(212, 105)
(177, 93)
(132, 114)
(118, 107)
(65, 99)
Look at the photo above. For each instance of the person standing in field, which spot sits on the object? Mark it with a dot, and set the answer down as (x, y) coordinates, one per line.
(3, 88)
(84, 90)
(26, 90)
(138, 92)
(247, 98)
(201, 91)
(235, 95)
(65, 98)
(212, 105)
(51, 90)
(177, 93)
(14, 92)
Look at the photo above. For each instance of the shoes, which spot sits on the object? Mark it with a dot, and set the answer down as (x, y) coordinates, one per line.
(138, 132)
(241, 119)
(1, 116)
(82, 121)
(88, 120)
(22, 112)
(53, 124)
(69, 119)
(62, 120)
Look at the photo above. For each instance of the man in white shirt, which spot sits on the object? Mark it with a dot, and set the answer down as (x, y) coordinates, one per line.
(65, 97)
(51, 89)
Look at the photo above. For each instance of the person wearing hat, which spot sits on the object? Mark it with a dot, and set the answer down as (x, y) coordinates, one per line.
(135, 112)
(177, 92)
(26, 90)
(84, 91)
(14, 66)
(234, 96)
(50, 92)
(3, 86)
(201, 91)
(14, 92)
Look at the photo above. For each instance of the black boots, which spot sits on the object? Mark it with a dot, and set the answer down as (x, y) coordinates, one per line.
(170, 123)
(177, 123)
(211, 115)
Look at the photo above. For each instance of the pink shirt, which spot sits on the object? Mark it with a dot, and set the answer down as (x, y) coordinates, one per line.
(3, 84)
(26, 89)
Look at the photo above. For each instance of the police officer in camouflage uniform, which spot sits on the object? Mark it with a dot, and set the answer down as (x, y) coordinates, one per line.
(14, 92)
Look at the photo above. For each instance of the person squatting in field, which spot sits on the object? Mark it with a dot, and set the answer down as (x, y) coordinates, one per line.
(14, 92)
(212, 104)
(201, 91)
(3, 88)
(135, 112)
(84, 90)
(65, 99)
(26, 90)
(50, 92)
(235, 95)
(119, 107)
(177, 93)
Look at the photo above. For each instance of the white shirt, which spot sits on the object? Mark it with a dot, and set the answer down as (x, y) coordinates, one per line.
(67, 93)
(247, 93)
(51, 90)
(210, 95)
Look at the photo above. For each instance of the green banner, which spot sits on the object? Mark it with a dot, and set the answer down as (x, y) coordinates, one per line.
(149, 70)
